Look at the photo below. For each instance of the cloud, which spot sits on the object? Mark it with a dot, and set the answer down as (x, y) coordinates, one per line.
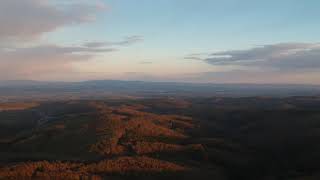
(24, 55)
(20, 63)
(275, 63)
(130, 40)
(27, 19)
(284, 56)
(193, 58)
(196, 56)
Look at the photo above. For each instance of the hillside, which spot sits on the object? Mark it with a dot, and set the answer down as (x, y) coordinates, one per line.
(162, 138)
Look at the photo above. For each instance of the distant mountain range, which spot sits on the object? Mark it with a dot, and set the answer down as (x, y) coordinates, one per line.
(113, 88)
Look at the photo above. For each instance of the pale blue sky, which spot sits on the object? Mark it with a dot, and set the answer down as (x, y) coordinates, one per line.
(171, 33)
(185, 25)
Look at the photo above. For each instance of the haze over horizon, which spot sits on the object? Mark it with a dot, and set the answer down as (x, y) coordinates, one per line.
(232, 41)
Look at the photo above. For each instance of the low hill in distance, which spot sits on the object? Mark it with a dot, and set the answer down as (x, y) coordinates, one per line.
(35, 90)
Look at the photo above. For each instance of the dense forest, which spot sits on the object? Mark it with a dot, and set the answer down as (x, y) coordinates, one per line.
(163, 138)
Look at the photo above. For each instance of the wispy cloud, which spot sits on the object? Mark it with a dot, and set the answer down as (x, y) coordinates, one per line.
(284, 56)
(275, 63)
(130, 40)
(193, 58)
(43, 59)
(22, 62)
(197, 56)
(28, 20)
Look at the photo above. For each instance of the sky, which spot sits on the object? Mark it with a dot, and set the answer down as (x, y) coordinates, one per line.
(207, 41)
